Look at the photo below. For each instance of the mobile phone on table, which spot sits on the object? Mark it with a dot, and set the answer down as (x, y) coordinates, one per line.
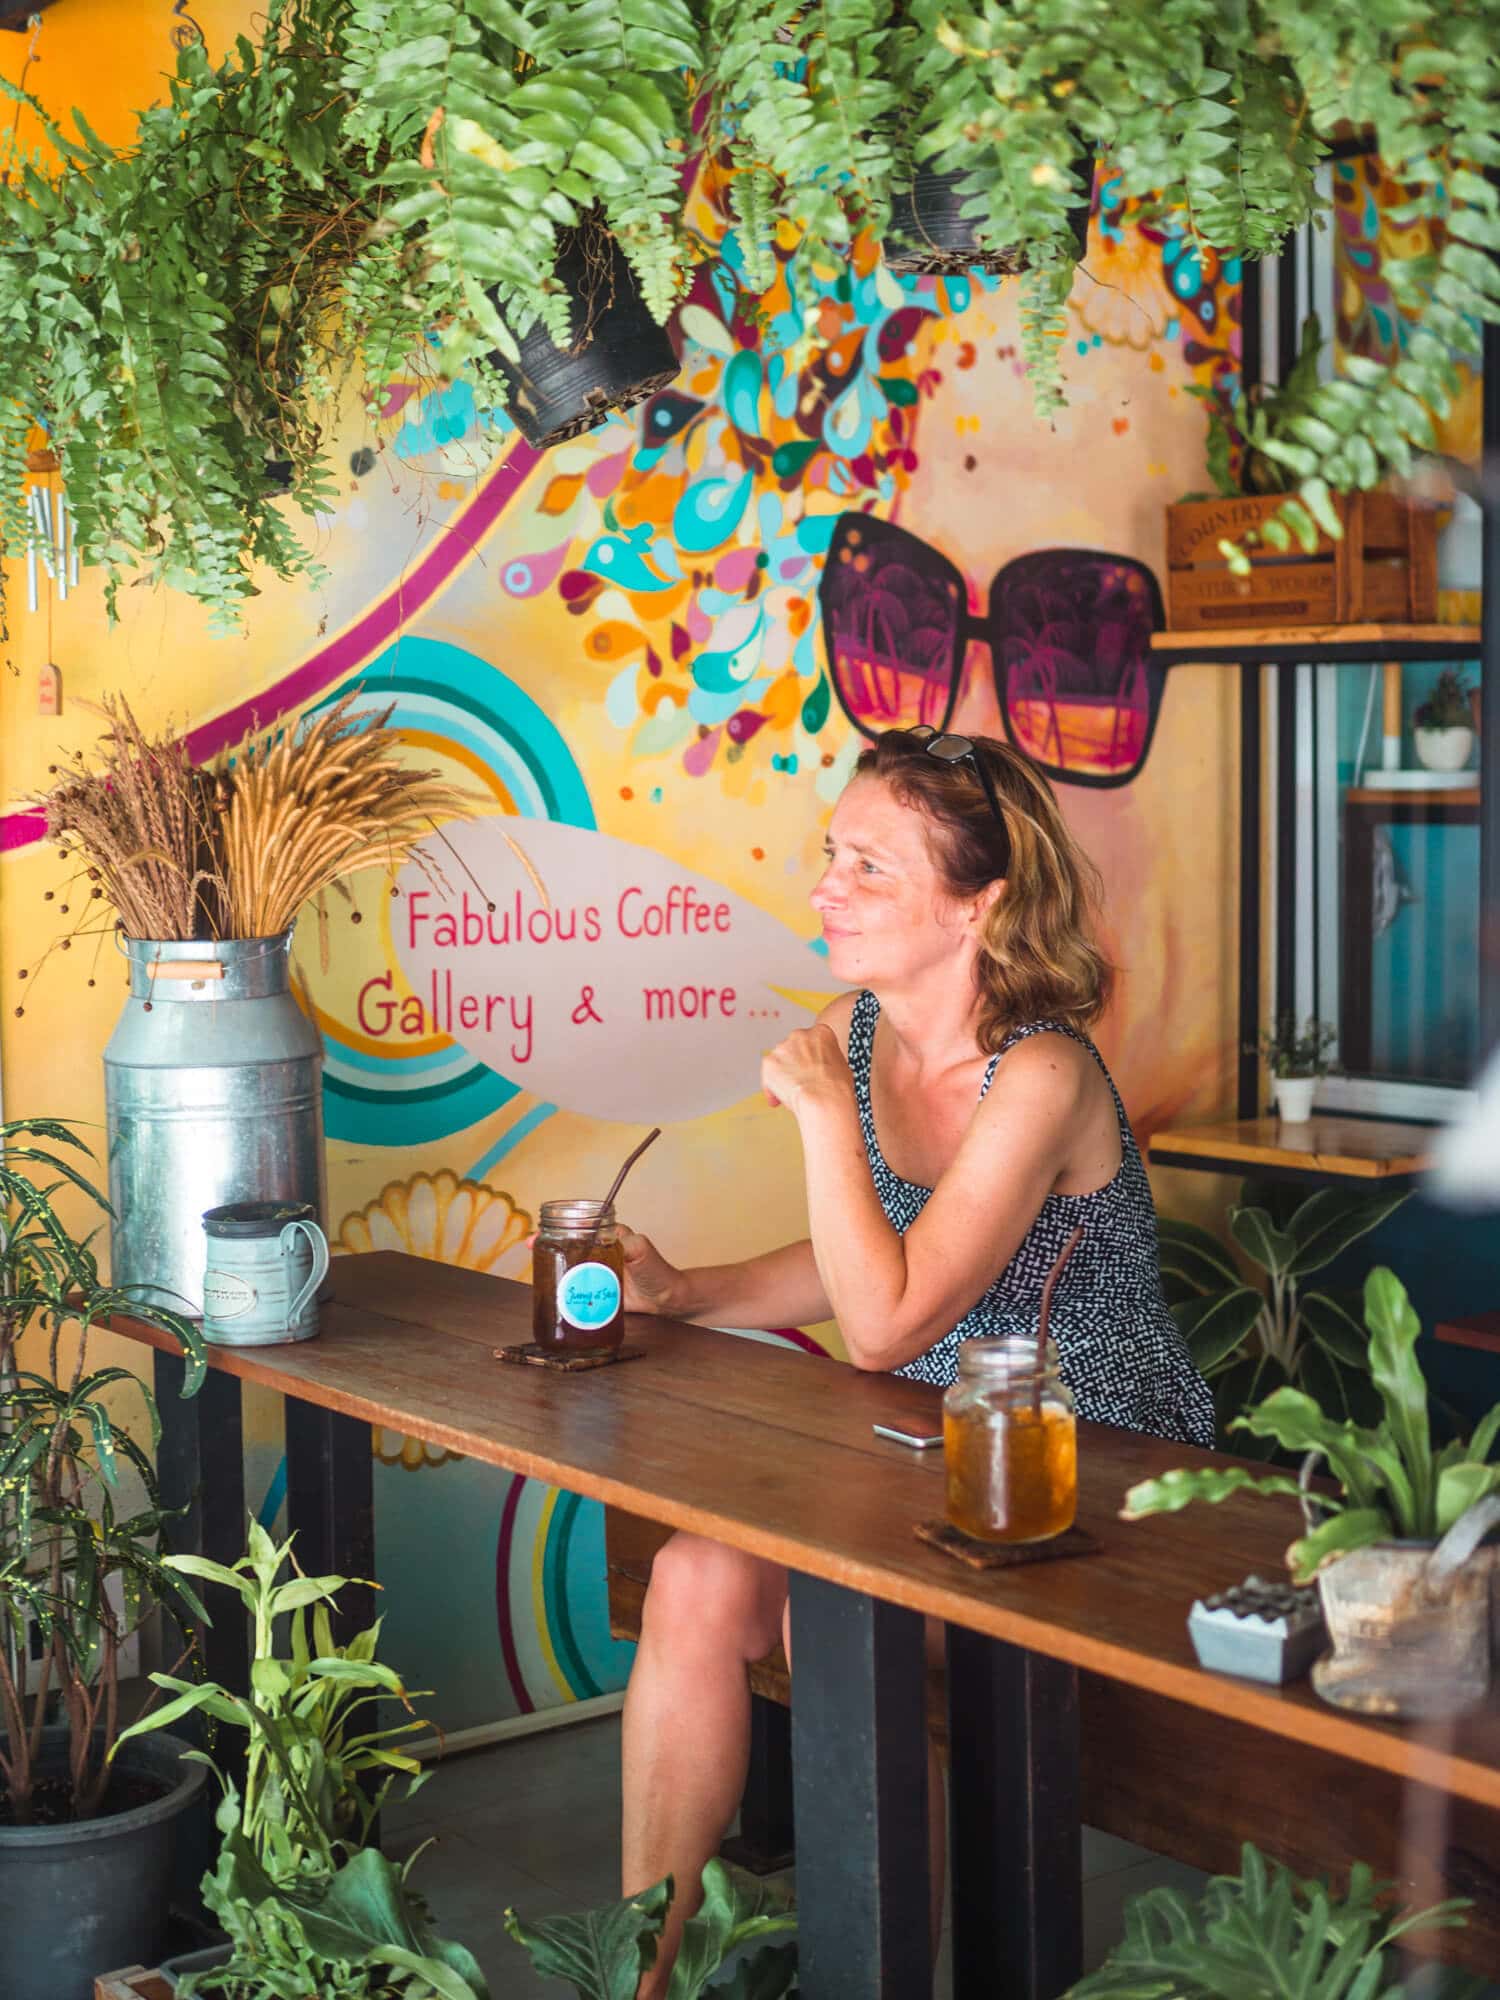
(919, 1440)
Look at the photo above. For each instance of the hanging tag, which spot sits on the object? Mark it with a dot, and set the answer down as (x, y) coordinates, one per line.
(49, 690)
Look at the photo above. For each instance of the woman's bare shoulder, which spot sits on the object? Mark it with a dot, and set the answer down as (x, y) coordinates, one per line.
(1047, 1065)
(839, 1015)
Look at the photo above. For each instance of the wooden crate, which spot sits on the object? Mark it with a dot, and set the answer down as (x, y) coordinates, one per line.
(134, 1982)
(1384, 571)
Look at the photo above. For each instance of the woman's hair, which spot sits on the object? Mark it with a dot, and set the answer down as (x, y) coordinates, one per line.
(1037, 958)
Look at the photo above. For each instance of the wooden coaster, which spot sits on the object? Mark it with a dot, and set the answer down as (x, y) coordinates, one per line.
(1003, 1555)
(531, 1356)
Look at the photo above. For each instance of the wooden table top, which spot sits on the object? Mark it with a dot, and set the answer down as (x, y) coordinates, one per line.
(1366, 1149)
(772, 1451)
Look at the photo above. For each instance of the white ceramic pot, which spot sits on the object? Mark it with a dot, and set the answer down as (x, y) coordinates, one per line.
(1293, 1097)
(1445, 749)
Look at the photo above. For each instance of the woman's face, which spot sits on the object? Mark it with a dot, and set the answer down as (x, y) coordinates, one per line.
(887, 916)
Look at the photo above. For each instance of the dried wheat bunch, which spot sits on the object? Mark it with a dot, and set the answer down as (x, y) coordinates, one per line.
(141, 821)
(305, 808)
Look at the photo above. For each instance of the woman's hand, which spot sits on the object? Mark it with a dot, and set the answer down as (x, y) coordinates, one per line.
(652, 1285)
(809, 1064)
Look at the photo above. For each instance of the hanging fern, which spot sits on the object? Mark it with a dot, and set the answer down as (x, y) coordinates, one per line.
(506, 123)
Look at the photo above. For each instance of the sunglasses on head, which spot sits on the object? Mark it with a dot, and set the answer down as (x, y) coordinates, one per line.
(949, 749)
(1069, 633)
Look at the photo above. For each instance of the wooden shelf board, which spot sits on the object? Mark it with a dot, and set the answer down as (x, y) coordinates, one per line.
(1481, 1330)
(1332, 1148)
(1412, 795)
(1247, 645)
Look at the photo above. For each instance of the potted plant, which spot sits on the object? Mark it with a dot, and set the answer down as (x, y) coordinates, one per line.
(1298, 1058)
(1396, 1551)
(1250, 1338)
(602, 1953)
(540, 153)
(208, 867)
(177, 309)
(1263, 1932)
(85, 1845)
(1444, 723)
(308, 1907)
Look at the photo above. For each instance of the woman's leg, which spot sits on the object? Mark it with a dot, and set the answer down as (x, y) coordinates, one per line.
(710, 1612)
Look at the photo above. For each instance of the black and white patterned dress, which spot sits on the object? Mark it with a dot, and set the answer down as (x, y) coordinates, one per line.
(1118, 1345)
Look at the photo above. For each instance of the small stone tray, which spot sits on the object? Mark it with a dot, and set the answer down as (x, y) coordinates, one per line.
(1003, 1555)
(529, 1355)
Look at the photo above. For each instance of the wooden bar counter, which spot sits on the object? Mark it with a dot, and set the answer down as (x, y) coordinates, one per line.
(773, 1452)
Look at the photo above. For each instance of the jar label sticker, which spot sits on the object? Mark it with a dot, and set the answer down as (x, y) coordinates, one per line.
(588, 1296)
(226, 1295)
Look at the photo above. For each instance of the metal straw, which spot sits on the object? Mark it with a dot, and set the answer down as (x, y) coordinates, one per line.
(619, 1179)
(1041, 1328)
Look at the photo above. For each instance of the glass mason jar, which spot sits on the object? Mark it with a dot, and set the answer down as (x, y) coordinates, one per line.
(578, 1279)
(1010, 1443)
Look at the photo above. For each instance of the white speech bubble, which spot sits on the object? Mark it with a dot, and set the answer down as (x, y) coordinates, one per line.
(606, 977)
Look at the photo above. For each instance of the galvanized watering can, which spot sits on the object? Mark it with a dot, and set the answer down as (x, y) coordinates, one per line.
(1409, 1622)
(266, 1260)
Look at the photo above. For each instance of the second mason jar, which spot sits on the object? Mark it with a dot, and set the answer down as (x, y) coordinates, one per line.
(577, 1278)
(1010, 1443)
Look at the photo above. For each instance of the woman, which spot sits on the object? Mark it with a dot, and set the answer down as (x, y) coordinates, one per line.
(957, 1125)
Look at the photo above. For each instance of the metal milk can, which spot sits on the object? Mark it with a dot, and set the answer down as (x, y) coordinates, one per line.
(213, 1094)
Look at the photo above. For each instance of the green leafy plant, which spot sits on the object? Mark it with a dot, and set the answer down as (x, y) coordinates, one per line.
(367, 181)
(503, 123)
(1241, 421)
(307, 1907)
(1264, 1935)
(169, 310)
(743, 1924)
(79, 1573)
(1447, 705)
(1393, 1484)
(1249, 1338)
(1293, 1049)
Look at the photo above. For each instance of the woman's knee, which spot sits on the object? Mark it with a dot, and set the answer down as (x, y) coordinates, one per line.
(703, 1592)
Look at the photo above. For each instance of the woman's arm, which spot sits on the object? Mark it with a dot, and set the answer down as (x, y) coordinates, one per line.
(894, 1296)
(778, 1288)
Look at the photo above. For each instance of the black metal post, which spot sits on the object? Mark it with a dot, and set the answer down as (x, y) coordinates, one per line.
(330, 1503)
(859, 1747)
(200, 1465)
(764, 1844)
(1249, 1008)
(1288, 833)
(1015, 1839)
(1489, 706)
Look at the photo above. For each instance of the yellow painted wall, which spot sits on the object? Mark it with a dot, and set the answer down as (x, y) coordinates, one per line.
(935, 434)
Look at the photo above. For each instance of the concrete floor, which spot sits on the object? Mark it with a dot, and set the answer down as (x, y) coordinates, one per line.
(535, 1823)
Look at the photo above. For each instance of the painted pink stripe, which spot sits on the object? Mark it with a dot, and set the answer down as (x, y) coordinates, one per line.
(383, 621)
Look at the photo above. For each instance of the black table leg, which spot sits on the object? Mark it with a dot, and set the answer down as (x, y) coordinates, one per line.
(1013, 1814)
(859, 1747)
(764, 1842)
(200, 1465)
(330, 1503)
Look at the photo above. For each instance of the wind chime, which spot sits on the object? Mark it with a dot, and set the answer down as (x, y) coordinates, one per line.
(51, 561)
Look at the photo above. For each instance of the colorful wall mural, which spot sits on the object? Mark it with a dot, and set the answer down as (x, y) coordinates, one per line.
(622, 650)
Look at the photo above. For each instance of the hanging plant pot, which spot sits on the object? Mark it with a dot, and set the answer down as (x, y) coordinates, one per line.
(930, 236)
(621, 356)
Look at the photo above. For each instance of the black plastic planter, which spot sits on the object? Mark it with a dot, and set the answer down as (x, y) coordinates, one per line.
(930, 236)
(84, 1898)
(619, 359)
